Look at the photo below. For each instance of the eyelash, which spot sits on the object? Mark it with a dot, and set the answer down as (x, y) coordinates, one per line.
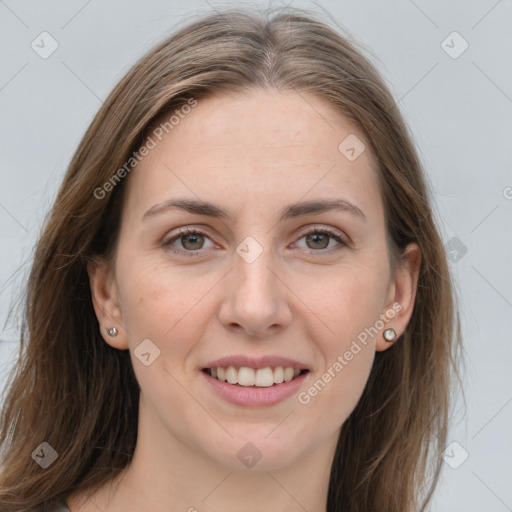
(195, 231)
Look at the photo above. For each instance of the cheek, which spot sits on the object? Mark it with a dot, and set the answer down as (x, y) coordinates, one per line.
(347, 301)
(165, 307)
(160, 303)
(348, 305)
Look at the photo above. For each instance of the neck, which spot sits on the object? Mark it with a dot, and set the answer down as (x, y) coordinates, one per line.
(168, 475)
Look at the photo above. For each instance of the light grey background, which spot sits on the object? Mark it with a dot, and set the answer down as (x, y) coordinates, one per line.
(459, 110)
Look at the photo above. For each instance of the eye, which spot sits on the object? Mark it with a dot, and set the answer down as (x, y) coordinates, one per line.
(191, 240)
(318, 239)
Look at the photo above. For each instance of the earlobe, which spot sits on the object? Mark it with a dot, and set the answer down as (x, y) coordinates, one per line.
(402, 297)
(106, 304)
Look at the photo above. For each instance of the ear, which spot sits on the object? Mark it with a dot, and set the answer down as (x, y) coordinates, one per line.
(401, 296)
(105, 299)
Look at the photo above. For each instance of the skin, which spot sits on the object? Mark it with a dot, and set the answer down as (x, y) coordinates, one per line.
(252, 155)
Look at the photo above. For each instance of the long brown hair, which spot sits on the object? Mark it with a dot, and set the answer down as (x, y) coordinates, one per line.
(78, 394)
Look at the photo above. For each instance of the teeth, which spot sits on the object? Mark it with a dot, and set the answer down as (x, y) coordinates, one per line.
(279, 375)
(264, 377)
(261, 377)
(288, 374)
(246, 376)
(232, 375)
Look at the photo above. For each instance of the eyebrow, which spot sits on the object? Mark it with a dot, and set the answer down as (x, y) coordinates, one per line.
(199, 207)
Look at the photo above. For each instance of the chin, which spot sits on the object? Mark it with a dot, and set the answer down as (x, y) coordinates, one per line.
(254, 449)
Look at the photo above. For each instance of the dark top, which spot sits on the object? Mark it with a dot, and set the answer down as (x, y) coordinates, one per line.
(61, 507)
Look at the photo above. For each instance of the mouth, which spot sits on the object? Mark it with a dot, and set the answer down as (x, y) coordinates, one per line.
(247, 377)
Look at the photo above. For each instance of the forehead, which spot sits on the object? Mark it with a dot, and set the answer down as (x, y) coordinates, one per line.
(254, 148)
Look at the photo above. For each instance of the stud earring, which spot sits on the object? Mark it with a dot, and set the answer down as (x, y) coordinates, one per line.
(112, 331)
(389, 335)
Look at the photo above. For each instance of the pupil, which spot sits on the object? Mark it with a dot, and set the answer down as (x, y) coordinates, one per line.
(187, 237)
(316, 237)
(321, 235)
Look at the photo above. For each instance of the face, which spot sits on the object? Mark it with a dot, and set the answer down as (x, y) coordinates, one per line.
(309, 289)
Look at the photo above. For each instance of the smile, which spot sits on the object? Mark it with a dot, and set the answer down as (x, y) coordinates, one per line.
(248, 390)
(254, 377)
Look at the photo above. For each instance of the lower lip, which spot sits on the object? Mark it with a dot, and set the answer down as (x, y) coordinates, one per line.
(255, 397)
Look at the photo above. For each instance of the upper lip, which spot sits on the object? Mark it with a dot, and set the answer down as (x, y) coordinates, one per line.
(238, 361)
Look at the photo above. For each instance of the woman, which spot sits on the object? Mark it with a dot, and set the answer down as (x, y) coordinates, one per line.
(240, 298)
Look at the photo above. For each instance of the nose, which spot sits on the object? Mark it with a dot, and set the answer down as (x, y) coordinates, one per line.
(256, 300)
